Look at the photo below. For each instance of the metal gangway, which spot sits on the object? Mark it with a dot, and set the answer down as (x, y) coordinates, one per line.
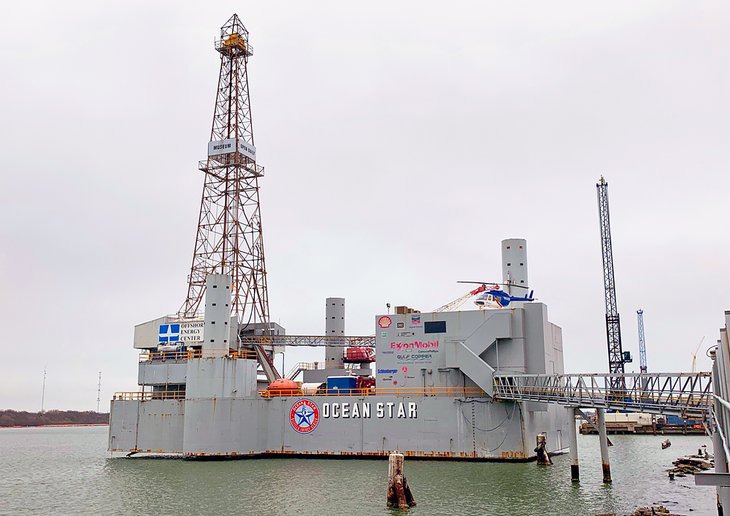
(688, 395)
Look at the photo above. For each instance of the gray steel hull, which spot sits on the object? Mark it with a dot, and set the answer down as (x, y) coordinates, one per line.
(426, 427)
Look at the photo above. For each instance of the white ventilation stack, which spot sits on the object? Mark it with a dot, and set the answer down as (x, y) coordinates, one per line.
(334, 327)
(217, 331)
(514, 266)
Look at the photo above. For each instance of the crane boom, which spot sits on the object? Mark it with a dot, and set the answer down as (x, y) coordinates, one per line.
(613, 322)
(642, 341)
(456, 303)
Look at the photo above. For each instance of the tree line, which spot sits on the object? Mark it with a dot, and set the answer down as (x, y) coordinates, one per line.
(52, 417)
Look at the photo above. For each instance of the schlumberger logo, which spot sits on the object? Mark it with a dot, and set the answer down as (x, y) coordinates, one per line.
(387, 371)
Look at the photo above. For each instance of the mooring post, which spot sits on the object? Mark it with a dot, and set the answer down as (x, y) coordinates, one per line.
(543, 457)
(603, 438)
(574, 468)
(399, 493)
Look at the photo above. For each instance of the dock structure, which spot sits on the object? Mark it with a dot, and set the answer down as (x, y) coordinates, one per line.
(688, 395)
(719, 420)
(681, 394)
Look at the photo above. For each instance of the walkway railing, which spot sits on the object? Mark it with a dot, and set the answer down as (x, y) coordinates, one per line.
(304, 366)
(146, 396)
(380, 391)
(181, 356)
(683, 394)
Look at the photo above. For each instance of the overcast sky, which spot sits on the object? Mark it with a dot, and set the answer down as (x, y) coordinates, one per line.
(402, 142)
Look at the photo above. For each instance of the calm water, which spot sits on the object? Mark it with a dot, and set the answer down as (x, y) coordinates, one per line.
(68, 471)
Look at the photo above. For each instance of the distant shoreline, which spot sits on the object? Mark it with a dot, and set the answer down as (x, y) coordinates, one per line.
(55, 426)
(51, 418)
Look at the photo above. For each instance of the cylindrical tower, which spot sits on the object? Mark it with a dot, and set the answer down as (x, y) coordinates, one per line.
(514, 266)
(334, 327)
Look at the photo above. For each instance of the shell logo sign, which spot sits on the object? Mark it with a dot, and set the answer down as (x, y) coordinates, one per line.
(385, 321)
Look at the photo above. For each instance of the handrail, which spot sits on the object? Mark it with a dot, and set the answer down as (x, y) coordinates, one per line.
(373, 391)
(718, 428)
(380, 391)
(146, 396)
(304, 366)
(680, 393)
(155, 356)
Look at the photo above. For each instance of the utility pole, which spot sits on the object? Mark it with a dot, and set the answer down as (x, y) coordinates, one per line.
(98, 393)
(616, 357)
(43, 391)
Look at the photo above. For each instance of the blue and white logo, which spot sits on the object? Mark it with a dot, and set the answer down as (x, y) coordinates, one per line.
(169, 333)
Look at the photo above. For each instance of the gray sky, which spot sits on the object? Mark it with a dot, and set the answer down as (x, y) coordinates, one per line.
(402, 142)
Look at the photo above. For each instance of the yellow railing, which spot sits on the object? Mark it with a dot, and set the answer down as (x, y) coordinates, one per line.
(375, 391)
(181, 356)
(146, 396)
(379, 391)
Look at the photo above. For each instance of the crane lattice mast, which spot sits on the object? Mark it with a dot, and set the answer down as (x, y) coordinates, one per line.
(642, 341)
(613, 322)
(229, 238)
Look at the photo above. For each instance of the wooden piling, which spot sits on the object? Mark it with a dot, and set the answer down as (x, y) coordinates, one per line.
(399, 493)
(543, 457)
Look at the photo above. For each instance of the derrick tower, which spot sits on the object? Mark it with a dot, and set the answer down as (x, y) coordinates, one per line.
(229, 238)
(616, 357)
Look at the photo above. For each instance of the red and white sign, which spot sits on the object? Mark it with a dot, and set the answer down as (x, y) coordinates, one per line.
(304, 416)
(385, 321)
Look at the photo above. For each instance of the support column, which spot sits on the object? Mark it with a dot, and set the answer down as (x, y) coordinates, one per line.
(603, 438)
(574, 468)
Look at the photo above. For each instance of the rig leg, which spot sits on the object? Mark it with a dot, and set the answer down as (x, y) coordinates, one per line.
(574, 467)
(603, 438)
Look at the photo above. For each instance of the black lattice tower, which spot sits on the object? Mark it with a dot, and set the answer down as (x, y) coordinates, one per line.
(613, 322)
(230, 237)
(642, 341)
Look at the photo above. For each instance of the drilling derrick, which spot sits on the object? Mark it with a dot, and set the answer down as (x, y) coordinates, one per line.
(229, 238)
(613, 323)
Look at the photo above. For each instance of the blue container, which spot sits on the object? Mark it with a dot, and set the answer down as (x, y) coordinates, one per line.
(676, 420)
(341, 384)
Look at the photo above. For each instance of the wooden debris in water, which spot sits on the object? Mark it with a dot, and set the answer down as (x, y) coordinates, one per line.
(684, 466)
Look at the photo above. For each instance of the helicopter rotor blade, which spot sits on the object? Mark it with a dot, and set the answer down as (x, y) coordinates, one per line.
(494, 283)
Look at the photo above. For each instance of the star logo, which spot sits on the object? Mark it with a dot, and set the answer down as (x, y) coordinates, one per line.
(304, 416)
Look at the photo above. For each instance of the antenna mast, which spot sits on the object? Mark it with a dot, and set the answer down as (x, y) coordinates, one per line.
(613, 323)
(229, 238)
